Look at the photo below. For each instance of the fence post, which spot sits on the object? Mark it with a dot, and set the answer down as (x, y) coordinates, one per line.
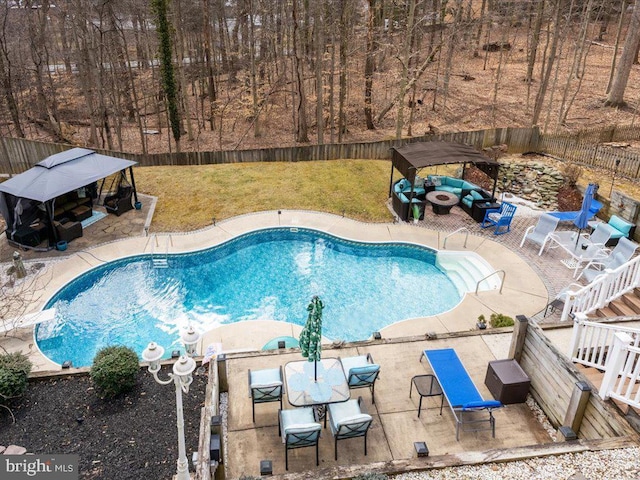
(578, 325)
(517, 337)
(221, 360)
(615, 363)
(570, 299)
(577, 404)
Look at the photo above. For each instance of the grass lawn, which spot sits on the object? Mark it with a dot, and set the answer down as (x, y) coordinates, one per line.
(190, 197)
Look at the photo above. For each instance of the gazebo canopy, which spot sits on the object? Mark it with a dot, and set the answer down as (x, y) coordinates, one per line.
(411, 158)
(63, 172)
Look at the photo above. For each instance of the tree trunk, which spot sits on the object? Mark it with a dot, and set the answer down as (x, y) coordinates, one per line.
(406, 58)
(544, 84)
(616, 95)
(302, 135)
(370, 62)
(320, 44)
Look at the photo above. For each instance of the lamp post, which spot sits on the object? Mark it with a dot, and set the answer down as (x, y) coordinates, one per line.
(182, 378)
(615, 170)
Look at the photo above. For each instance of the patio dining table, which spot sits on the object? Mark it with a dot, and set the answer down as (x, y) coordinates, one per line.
(580, 248)
(328, 384)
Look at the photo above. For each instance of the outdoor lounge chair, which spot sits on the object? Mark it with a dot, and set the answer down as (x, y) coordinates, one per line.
(348, 420)
(620, 255)
(120, 202)
(467, 405)
(361, 372)
(500, 218)
(298, 429)
(539, 233)
(265, 386)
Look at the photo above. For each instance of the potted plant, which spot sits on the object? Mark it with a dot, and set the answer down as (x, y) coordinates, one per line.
(482, 322)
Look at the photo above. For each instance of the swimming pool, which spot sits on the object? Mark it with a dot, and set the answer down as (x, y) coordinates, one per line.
(268, 274)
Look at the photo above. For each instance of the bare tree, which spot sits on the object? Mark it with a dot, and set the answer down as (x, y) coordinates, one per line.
(619, 85)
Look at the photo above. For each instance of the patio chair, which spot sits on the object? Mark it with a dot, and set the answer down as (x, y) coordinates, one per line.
(500, 218)
(361, 371)
(467, 405)
(539, 233)
(600, 235)
(620, 255)
(265, 386)
(298, 429)
(348, 420)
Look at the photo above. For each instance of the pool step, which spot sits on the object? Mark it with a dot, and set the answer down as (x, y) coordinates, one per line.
(160, 262)
(466, 269)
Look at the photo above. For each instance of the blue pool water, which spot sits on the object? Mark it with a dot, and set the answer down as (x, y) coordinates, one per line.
(263, 275)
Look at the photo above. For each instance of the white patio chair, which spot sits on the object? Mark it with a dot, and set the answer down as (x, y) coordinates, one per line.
(540, 232)
(620, 255)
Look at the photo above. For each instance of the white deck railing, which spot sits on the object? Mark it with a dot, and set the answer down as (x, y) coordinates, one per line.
(622, 372)
(605, 288)
(592, 341)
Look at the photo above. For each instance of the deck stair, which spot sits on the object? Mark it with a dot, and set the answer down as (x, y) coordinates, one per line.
(594, 376)
(628, 305)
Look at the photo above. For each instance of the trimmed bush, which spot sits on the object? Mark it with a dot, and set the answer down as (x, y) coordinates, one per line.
(499, 320)
(14, 375)
(114, 370)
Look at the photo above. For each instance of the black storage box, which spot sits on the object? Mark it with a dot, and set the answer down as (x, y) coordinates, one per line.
(507, 382)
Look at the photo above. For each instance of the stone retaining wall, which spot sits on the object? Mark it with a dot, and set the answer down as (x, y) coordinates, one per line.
(533, 181)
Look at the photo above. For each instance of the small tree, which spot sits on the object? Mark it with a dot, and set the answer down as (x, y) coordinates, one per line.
(114, 370)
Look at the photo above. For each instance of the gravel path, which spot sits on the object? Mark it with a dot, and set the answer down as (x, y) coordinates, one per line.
(622, 464)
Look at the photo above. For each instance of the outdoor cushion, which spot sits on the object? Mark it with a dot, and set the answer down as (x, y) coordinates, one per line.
(454, 182)
(361, 371)
(476, 195)
(447, 188)
(468, 200)
(362, 417)
(266, 378)
(302, 427)
(621, 225)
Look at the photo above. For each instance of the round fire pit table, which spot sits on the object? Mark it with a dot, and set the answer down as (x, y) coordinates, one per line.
(441, 201)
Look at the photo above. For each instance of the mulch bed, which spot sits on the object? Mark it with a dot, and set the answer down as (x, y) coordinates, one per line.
(133, 436)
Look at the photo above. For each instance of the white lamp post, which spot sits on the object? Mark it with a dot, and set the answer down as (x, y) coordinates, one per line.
(182, 378)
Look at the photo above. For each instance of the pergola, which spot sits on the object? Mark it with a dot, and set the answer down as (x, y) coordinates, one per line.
(412, 158)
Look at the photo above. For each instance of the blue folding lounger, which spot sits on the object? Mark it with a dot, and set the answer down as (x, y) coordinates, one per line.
(466, 403)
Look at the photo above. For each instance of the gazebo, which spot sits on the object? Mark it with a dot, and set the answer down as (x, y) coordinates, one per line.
(412, 158)
(29, 202)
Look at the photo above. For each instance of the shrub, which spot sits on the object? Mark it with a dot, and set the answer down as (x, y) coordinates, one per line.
(371, 476)
(114, 370)
(499, 320)
(14, 375)
(571, 173)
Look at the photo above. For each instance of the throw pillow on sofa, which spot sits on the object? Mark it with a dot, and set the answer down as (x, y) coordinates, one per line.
(476, 195)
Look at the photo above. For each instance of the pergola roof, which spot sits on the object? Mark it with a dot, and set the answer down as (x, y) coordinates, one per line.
(415, 156)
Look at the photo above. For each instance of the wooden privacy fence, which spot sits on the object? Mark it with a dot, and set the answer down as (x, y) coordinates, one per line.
(18, 154)
(23, 154)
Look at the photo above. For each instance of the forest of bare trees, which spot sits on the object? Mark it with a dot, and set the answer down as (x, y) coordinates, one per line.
(171, 75)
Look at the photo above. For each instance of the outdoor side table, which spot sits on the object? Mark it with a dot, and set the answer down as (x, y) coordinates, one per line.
(426, 386)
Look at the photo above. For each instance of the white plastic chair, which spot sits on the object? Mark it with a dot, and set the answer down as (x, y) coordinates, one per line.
(620, 255)
(540, 232)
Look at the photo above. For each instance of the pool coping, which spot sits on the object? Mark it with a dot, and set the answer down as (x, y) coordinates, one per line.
(524, 292)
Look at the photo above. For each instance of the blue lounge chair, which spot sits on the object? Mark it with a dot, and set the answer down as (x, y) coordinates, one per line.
(500, 218)
(467, 405)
